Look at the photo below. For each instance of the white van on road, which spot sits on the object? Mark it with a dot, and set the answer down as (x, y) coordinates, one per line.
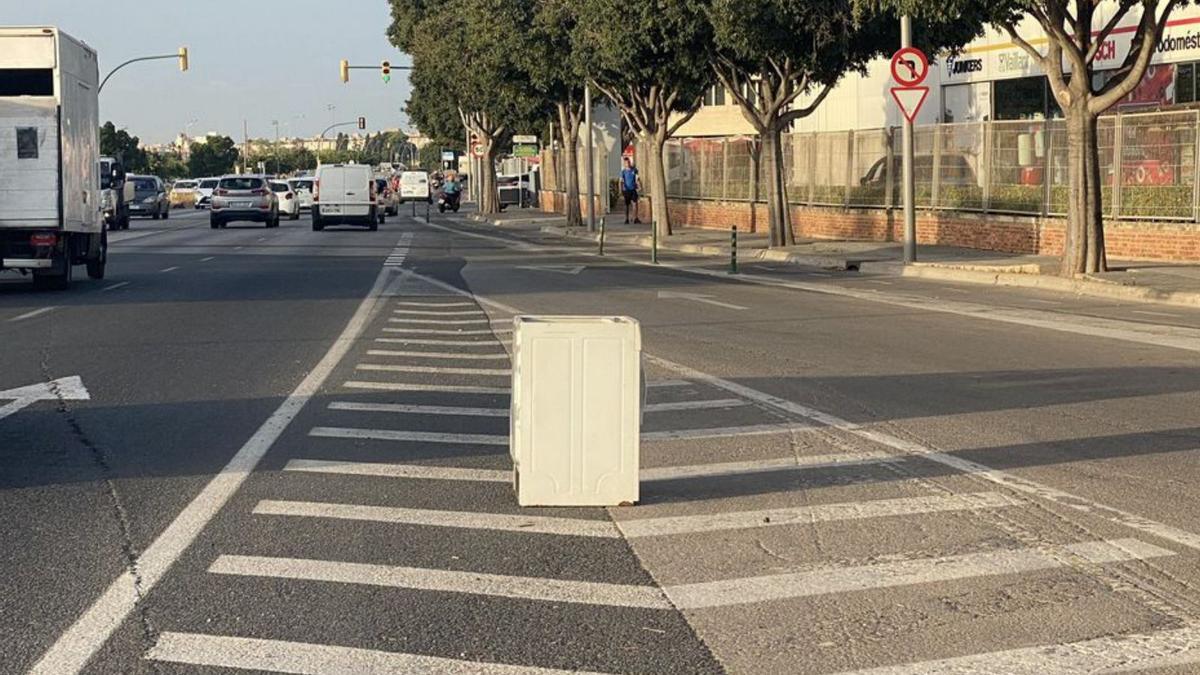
(345, 194)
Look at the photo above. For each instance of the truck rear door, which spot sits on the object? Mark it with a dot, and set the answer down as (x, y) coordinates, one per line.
(29, 140)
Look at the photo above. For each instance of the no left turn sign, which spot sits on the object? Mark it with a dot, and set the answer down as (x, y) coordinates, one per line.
(910, 67)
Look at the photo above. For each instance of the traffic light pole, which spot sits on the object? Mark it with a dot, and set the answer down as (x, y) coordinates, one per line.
(331, 127)
(182, 55)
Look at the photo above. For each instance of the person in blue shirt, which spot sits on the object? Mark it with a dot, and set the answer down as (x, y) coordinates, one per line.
(629, 187)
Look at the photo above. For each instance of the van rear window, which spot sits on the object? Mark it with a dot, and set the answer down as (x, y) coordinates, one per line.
(26, 82)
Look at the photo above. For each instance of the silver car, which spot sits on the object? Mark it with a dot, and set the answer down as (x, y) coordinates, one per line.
(245, 197)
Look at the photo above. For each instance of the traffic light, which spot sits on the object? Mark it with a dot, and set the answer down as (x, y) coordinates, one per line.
(183, 59)
(345, 70)
(385, 69)
(362, 123)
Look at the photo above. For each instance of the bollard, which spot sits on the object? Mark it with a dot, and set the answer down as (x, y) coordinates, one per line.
(427, 212)
(414, 209)
(733, 249)
(654, 242)
(601, 236)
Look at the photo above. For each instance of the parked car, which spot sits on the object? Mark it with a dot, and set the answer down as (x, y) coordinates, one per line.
(345, 194)
(514, 190)
(244, 197)
(204, 192)
(303, 187)
(388, 199)
(289, 204)
(149, 197)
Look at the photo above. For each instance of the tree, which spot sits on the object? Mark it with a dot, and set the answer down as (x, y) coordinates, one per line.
(118, 143)
(770, 52)
(651, 59)
(214, 157)
(167, 165)
(1074, 32)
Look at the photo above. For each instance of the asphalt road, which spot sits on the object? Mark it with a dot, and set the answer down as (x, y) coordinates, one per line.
(293, 458)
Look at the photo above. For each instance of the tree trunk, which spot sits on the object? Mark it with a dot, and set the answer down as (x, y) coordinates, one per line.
(755, 173)
(779, 223)
(657, 171)
(1083, 246)
(489, 196)
(569, 124)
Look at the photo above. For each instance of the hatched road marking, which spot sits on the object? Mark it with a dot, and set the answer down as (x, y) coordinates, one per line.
(414, 436)
(443, 388)
(401, 408)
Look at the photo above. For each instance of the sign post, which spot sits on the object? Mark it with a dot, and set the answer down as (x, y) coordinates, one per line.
(910, 67)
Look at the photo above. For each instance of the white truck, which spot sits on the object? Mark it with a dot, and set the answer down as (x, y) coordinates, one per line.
(50, 207)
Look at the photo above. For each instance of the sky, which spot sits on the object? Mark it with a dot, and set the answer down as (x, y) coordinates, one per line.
(250, 60)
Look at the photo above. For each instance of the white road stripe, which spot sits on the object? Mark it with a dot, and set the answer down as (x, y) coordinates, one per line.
(456, 519)
(439, 322)
(437, 304)
(694, 405)
(71, 652)
(30, 315)
(446, 343)
(819, 513)
(440, 355)
(809, 462)
(725, 432)
(119, 284)
(422, 312)
(209, 258)
(415, 436)
(302, 658)
(424, 579)
(829, 580)
(431, 331)
(445, 388)
(1149, 313)
(169, 269)
(1109, 654)
(433, 370)
(382, 470)
(668, 383)
(419, 409)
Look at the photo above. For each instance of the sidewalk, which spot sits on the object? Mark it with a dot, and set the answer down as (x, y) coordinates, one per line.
(1151, 282)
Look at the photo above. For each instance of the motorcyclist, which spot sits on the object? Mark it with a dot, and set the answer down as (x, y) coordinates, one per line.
(451, 191)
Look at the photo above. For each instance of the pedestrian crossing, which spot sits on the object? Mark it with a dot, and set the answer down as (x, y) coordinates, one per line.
(411, 446)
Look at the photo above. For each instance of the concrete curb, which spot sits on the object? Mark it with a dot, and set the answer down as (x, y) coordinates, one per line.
(786, 257)
(1089, 287)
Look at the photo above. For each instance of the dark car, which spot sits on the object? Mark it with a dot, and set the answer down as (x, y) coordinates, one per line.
(149, 197)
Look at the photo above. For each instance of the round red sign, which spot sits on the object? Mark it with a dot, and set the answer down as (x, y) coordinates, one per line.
(910, 66)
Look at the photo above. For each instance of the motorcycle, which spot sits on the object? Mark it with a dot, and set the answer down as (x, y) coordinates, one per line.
(449, 201)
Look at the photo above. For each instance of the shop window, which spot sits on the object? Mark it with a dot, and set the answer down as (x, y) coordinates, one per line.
(715, 95)
(1024, 98)
(1185, 83)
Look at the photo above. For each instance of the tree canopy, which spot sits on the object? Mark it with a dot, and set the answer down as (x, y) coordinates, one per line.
(214, 157)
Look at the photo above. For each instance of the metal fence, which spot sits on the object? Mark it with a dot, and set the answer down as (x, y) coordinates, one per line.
(1148, 167)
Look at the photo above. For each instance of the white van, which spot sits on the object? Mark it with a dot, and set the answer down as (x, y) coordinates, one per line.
(414, 187)
(345, 194)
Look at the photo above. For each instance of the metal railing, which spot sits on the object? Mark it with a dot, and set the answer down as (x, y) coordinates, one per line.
(1148, 167)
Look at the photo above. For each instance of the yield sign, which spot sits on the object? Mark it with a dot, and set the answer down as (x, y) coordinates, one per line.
(67, 389)
(910, 99)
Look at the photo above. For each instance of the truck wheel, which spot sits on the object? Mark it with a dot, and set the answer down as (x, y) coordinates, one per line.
(317, 224)
(95, 268)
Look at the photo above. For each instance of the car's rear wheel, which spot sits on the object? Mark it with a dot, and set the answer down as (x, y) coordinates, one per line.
(167, 212)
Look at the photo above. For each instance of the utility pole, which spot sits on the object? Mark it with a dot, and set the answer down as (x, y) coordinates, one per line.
(275, 123)
(245, 148)
(907, 185)
(587, 154)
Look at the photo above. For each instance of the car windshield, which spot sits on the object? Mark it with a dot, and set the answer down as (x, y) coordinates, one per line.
(304, 185)
(145, 185)
(280, 187)
(241, 183)
(208, 184)
(185, 185)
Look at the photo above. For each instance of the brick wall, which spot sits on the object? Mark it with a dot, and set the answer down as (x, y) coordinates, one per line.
(994, 232)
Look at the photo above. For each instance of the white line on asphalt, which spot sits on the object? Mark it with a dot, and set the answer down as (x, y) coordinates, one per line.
(30, 315)
(430, 331)
(436, 370)
(657, 384)
(418, 409)
(301, 658)
(836, 579)
(1044, 302)
(169, 269)
(420, 312)
(725, 432)
(1149, 313)
(695, 405)
(383, 470)
(119, 284)
(805, 462)
(1013, 482)
(448, 343)
(90, 631)
(209, 258)
(439, 355)
(415, 436)
(881, 282)
(819, 513)
(471, 520)
(446, 388)
(437, 304)
(439, 322)
(1110, 654)
(446, 581)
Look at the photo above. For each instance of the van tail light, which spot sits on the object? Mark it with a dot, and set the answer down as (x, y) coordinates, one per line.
(220, 193)
(43, 239)
(316, 190)
(371, 186)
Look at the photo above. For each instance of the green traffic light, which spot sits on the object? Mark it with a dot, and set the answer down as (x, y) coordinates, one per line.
(387, 78)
